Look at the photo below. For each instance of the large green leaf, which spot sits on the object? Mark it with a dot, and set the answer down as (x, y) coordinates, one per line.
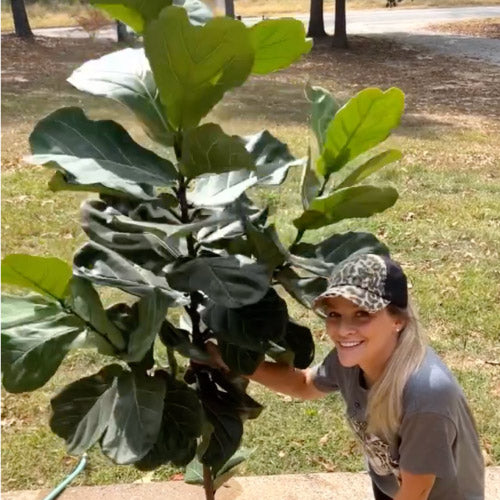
(126, 76)
(232, 281)
(366, 120)
(252, 326)
(101, 222)
(150, 312)
(135, 13)
(108, 268)
(310, 185)
(278, 43)
(362, 167)
(85, 302)
(226, 406)
(272, 159)
(357, 201)
(181, 425)
(208, 150)
(238, 359)
(339, 247)
(136, 418)
(46, 275)
(82, 410)
(266, 245)
(94, 153)
(178, 338)
(195, 65)
(303, 290)
(323, 110)
(194, 470)
(36, 336)
(299, 339)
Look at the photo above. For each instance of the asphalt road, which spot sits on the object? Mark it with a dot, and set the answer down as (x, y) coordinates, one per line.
(407, 26)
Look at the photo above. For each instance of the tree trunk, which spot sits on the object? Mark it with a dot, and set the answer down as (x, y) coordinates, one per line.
(340, 34)
(316, 27)
(229, 8)
(21, 23)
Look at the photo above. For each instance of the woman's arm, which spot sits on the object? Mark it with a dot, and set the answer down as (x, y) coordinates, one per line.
(415, 486)
(287, 380)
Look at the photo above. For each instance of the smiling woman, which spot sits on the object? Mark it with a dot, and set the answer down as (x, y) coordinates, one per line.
(403, 404)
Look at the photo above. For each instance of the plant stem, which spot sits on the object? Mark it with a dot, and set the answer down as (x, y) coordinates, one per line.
(172, 362)
(208, 483)
(322, 189)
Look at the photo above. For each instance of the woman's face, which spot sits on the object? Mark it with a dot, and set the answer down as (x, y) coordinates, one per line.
(361, 338)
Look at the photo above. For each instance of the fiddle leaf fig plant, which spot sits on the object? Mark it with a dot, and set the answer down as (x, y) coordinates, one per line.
(176, 229)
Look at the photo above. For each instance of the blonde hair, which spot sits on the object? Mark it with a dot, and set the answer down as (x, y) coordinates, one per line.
(385, 398)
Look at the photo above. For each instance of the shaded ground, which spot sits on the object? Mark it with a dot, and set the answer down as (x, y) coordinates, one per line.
(485, 28)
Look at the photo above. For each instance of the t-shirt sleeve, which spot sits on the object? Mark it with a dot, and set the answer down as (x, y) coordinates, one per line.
(325, 374)
(427, 444)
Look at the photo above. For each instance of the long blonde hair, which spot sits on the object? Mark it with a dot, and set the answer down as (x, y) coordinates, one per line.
(385, 398)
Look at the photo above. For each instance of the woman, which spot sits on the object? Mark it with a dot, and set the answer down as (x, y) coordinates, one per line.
(403, 404)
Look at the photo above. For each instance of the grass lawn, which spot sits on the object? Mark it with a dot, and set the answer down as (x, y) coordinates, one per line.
(445, 229)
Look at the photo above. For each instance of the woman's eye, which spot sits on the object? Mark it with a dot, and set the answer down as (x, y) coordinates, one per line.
(362, 314)
(333, 314)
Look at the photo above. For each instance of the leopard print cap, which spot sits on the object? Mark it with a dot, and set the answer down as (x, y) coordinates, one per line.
(360, 279)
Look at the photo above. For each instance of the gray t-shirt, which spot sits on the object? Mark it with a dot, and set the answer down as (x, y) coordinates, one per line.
(437, 433)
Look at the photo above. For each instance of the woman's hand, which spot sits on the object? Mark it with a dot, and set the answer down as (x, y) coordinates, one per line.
(215, 360)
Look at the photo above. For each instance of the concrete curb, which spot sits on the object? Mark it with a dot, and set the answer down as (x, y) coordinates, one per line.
(318, 486)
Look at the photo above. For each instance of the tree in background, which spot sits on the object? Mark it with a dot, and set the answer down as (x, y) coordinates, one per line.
(316, 23)
(21, 23)
(229, 5)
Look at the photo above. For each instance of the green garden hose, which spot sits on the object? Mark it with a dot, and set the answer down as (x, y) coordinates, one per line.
(60, 487)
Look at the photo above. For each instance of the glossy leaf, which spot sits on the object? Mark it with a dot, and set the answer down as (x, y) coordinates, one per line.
(278, 43)
(178, 338)
(195, 65)
(181, 425)
(82, 410)
(135, 13)
(97, 153)
(310, 185)
(232, 281)
(266, 245)
(366, 120)
(107, 268)
(238, 359)
(303, 290)
(150, 312)
(252, 326)
(36, 336)
(46, 275)
(323, 110)
(136, 418)
(85, 302)
(299, 339)
(126, 77)
(362, 169)
(351, 202)
(339, 247)
(273, 160)
(101, 222)
(208, 150)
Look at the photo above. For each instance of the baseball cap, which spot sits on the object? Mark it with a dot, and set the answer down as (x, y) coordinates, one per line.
(371, 281)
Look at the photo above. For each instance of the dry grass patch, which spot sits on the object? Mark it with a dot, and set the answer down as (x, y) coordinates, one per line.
(485, 28)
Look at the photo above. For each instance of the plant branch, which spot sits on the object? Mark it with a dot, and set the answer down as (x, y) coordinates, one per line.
(172, 362)
(208, 483)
